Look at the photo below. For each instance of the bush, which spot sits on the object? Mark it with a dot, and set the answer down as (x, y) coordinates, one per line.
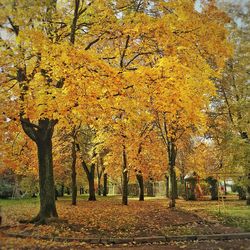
(6, 190)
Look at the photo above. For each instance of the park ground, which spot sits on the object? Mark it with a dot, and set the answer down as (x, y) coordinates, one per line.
(108, 218)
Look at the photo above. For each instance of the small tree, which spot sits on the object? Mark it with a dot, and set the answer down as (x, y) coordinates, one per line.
(213, 187)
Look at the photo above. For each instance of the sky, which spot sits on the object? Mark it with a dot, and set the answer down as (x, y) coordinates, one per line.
(242, 2)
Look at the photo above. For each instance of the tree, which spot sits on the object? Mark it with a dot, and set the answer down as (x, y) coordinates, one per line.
(133, 61)
(88, 156)
(234, 89)
(18, 158)
(42, 72)
(175, 88)
(100, 168)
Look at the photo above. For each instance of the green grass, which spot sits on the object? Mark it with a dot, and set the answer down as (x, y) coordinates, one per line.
(13, 202)
(235, 215)
(232, 211)
(27, 201)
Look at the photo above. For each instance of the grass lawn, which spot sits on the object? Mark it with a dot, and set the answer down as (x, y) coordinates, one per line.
(108, 218)
(232, 212)
(236, 214)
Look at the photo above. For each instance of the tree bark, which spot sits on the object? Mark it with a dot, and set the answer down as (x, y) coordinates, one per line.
(73, 173)
(62, 190)
(175, 186)
(56, 194)
(213, 187)
(124, 178)
(99, 187)
(105, 184)
(172, 187)
(150, 188)
(91, 179)
(99, 170)
(248, 192)
(248, 196)
(225, 187)
(171, 149)
(41, 134)
(242, 193)
(139, 178)
(167, 186)
(46, 181)
(192, 184)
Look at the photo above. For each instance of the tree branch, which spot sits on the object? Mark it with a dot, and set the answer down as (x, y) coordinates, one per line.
(124, 51)
(85, 167)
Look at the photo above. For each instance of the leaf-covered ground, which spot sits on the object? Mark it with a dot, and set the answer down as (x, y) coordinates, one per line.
(108, 218)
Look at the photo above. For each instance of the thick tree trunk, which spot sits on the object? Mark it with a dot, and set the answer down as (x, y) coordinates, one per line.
(172, 186)
(105, 184)
(99, 170)
(99, 187)
(192, 184)
(248, 193)
(91, 179)
(171, 149)
(242, 193)
(225, 187)
(62, 190)
(139, 178)
(213, 187)
(185, 190)
(175, 186)
(248, 190)
(150, 188)
(46, 181)
(56, 194)
(124, 178)
(73, 173)
(167, 186)
(41, 134)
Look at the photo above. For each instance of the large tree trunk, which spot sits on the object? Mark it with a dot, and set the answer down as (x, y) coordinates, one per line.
(213, 187)
(99, 170)
(99, 187)
(192, 189)
(167, 186)
(56, 194)
(248, 191)
(62, 190)
(175, 186)
(150, 188)
(73, 173)
(105, 184)
(225, 187)
(46, 181)
(171, 157)
(124, 178)
(172, 186)
(41, 134)
(139, 178)
(248, 195)
(242, 193)
(91, 180)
